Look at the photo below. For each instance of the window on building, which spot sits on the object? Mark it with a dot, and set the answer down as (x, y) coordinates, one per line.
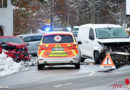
(3, 3)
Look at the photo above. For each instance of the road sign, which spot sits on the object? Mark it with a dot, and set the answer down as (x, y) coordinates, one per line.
(108, 63)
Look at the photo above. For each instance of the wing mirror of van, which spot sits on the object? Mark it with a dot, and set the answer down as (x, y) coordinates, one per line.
(79, 42)
(0, 49)
(91, 37)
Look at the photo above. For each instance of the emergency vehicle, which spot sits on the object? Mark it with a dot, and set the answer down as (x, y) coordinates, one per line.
(58, 48)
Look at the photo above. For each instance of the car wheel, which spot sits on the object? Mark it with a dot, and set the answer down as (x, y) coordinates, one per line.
(77, 66)
(97, 57)
(82, 59)
(40, 66)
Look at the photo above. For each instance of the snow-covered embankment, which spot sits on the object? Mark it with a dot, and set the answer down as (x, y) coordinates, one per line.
(8, 66)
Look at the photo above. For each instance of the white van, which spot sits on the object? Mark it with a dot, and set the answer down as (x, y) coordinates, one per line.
(95, 40)
(75, 30)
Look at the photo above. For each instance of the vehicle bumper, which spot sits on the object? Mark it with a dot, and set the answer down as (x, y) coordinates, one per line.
(59, 61)
(120, 56)
(35, 52)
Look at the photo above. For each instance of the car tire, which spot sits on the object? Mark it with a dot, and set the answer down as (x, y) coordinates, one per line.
(77, 66)
(82, 59)
(40, 66)
(97, 57)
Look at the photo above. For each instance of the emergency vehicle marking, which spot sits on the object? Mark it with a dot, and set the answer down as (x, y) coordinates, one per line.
(47, 45)
(58, 50)
(58, 53)
(42, 52)
(74, 52)
(68, 44)
(57, 38)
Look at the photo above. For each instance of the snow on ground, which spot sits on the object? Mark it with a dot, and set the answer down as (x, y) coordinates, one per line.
(105, 88)
(124, 68)
(8, 66)
(33, 61)
(94, 67)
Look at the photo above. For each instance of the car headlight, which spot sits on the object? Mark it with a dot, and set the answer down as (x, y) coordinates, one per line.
(103, 46)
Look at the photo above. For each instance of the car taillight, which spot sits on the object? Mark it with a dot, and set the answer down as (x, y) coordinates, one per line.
(75, 46)
(42, 47)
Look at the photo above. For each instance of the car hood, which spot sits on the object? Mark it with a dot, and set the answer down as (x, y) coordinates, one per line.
(17, 45)
(114, 40)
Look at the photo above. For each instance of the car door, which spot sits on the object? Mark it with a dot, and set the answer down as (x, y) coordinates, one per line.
(28, 40)
(89, 44)
(35, 42)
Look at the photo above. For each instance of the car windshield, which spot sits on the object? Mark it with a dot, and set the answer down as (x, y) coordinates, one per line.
(58, 39)
(14, 40)
(105, 33)
(75, 29)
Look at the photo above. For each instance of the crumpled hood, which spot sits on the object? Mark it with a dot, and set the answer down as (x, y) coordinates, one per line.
(17, 45)
(114, 40)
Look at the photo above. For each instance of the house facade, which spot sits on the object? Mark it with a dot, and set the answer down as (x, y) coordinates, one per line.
(6, 18)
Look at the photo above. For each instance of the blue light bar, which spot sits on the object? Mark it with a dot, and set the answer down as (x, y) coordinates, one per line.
(47, 28)
(68, 29)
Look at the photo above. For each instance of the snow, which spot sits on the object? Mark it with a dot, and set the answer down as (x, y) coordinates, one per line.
(99, 25)
(124, 68)
(94, 68)
(105, 88)
(8, 66)
(128, 7)
(127, 29)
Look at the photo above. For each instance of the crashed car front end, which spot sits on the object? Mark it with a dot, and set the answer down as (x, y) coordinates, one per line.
(116, 42)
(16, 51)
(119, 51)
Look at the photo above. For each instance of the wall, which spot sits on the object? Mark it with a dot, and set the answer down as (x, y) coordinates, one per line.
(6, 19)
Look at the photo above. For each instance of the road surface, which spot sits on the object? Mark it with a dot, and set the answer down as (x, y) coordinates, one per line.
(65, 78)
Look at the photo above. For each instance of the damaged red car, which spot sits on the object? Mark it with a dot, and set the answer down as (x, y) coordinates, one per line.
(15, 47)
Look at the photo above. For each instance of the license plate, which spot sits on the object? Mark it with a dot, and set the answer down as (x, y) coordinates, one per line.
(57, 49)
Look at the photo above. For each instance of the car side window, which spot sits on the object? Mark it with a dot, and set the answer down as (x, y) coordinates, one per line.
(36, 38)
(27, 39)
(91, 34)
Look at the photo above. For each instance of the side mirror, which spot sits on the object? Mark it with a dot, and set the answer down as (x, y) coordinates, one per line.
(79, 42)
(91, 38)
(0, 49)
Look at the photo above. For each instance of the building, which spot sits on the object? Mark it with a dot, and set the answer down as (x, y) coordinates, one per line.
(6, 18)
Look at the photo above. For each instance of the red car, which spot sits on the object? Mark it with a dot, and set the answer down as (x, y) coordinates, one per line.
(15, 47)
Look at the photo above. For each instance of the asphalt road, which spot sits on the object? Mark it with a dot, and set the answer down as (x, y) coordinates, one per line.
(65, 78)
(84, 82)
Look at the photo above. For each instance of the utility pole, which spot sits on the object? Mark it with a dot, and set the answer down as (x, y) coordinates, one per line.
(68, 2)
(51, 14)
(78, 11)
(92, 11)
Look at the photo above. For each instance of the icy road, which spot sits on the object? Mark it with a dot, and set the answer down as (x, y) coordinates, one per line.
(89, 77)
